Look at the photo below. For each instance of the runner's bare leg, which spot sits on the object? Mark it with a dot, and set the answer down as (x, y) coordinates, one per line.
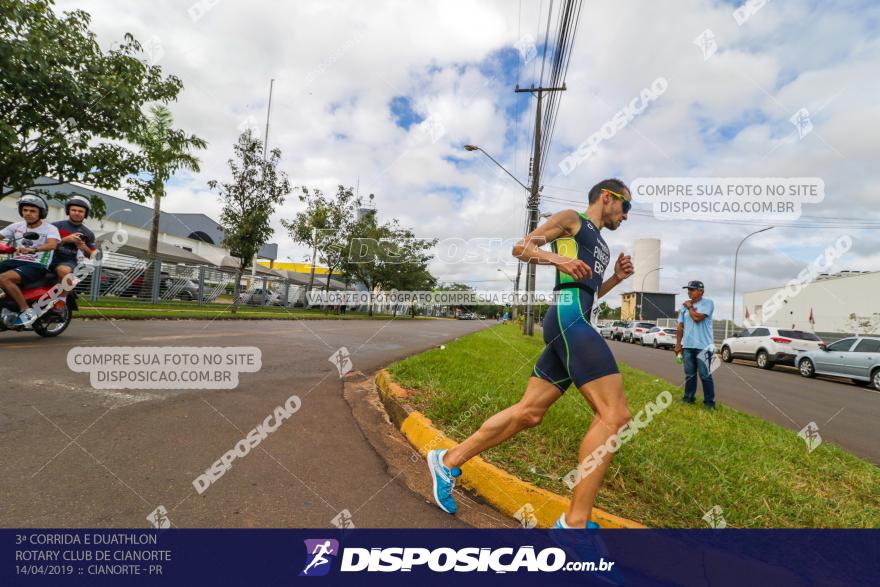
(606, 397)
(526, 413)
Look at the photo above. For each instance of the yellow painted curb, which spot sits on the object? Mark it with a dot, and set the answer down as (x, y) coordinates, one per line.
(504, 491)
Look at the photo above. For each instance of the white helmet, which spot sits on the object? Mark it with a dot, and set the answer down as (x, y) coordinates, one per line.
(80, 201)
(36, 200)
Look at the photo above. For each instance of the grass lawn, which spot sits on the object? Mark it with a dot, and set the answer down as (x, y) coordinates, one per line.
(129, 308)
(671, 472)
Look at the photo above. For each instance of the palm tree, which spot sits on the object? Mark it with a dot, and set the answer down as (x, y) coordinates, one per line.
(164, 151)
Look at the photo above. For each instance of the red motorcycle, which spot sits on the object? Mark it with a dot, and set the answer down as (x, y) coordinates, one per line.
(55, 312)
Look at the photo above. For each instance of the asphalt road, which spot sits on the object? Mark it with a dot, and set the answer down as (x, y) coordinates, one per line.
(846, 414)
(74, 456)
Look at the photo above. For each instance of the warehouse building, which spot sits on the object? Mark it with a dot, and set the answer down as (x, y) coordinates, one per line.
(848, 301)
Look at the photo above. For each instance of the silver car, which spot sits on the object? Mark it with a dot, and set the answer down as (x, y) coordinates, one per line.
(856, 357)
(636, 330)
(260, 297)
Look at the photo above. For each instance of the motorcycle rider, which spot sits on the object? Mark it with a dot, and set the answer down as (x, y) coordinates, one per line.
(34, 242)
(77, 240)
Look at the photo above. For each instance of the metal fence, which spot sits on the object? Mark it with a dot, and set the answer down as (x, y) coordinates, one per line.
(121, 276)
(154, 281)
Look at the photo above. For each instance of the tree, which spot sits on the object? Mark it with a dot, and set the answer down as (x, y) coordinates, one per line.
(324, 227)
(65, 104)
(379, 256)
(257, 187)
(411, 275)
(606, 312)
(333, 242)
(165, 150)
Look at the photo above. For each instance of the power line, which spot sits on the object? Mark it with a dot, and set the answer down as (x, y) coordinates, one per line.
(811, 222)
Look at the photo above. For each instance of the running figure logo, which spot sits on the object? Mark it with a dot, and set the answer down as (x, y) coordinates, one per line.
(341, 359)
(810, 434)
(319, 554)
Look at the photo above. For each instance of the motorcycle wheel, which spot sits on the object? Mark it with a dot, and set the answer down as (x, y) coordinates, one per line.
(53, 322)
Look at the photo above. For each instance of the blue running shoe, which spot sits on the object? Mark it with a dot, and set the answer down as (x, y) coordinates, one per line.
(585, 545)
(558, 525)
(444, 480)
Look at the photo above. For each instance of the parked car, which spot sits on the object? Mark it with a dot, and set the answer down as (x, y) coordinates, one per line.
(768, 345)
(660, 337)
(617, 329)
(133, 282)
(856, 357)
(635, 331)
(188, 289)
(260, 297)
(605, 329)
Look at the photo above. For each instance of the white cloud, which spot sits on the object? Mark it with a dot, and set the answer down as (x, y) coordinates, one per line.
(337, 65)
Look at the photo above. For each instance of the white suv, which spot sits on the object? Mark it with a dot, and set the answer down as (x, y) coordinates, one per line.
(768, 345)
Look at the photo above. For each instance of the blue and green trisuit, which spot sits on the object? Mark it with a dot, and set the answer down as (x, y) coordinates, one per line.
(576, 352)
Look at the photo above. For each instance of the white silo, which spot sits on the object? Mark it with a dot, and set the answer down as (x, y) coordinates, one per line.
(646, 262)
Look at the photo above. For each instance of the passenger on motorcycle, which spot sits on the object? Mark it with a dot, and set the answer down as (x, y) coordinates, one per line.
(34, 242)
(77, 241)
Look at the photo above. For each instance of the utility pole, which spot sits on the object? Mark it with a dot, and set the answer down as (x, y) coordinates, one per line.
(265, 151)
(533, 202)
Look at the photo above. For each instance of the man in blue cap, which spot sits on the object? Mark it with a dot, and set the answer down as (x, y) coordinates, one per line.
(695, 342)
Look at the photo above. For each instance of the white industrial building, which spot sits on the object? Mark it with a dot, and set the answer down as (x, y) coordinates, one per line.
(646, 301)
(848, 301)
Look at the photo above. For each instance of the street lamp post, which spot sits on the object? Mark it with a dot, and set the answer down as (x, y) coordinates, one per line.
(519, 263)
(476, 148)
(735, 262)
(111, 214)
(642, 290)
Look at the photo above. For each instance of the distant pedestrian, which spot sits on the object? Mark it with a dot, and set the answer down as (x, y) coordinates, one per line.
(695, 342)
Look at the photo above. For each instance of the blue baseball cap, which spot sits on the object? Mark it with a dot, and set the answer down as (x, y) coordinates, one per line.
(694, 285)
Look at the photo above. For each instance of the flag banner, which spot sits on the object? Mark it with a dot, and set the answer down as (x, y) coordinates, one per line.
(433, 556)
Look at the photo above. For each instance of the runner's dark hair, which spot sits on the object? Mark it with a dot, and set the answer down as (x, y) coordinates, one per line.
(613, 184)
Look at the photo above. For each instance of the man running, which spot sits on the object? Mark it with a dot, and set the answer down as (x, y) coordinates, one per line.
(77, 241)
(34, 242)
(575, 352)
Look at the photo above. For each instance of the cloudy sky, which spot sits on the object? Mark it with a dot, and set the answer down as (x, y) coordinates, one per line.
(385, 93)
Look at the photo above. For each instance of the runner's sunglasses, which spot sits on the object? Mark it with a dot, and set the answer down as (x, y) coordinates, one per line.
(627, 205)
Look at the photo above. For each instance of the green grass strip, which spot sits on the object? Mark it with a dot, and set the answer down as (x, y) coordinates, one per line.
(673, 471)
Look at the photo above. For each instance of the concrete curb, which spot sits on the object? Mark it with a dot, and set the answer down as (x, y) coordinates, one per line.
(504, 491)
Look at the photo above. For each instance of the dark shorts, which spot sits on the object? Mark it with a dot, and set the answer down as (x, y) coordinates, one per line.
(575, 352)
(30, 272)
(69, 264)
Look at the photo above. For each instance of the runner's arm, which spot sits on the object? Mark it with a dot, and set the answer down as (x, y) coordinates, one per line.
(623, 268)
(564, 223)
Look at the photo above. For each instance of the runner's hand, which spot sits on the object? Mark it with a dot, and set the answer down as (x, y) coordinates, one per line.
(623, 268)
(677, 349)
(576, 268)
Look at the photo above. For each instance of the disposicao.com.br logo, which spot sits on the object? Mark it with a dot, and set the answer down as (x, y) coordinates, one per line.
(442, 560)
(319, 556)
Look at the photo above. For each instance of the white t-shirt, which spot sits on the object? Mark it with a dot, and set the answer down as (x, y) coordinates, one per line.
(15, 235)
